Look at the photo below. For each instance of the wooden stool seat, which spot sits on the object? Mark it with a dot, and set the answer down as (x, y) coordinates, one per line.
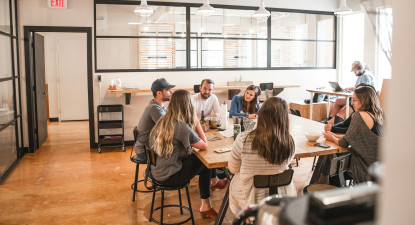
(318, 187)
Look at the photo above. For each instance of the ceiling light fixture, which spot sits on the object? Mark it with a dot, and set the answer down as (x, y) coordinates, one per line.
(343, 9)
(206, 8)
(143, 9)
(262, 12)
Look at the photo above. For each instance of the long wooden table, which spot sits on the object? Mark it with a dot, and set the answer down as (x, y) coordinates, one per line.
(299, 126)
(328, 93)
(128, 92)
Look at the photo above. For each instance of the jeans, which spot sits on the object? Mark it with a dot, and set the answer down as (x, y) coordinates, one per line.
(191, 166)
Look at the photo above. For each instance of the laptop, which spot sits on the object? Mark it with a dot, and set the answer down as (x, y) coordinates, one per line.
(336, 87)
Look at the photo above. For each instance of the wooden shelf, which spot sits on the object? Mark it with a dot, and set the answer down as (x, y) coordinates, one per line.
(128, 92)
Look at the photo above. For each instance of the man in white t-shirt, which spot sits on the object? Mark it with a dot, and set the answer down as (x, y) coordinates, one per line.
(209, 103)
(205, 100)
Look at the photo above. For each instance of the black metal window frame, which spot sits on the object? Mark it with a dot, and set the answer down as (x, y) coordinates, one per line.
(15, 78)
(189, 37)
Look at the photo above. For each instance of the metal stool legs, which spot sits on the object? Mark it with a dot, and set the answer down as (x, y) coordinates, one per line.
(180, 200)
(190, 205)
(161, 208)
(136, 181)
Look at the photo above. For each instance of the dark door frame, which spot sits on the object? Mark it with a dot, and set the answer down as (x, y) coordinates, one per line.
(28, 31)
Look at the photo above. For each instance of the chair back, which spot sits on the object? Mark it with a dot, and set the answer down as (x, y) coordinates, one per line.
(151, 160)
(272, 182)
(135, 133)
(339, 164)
(196, 88)
(151, 156)
(233, 92)
(295, 112)
(266, 87)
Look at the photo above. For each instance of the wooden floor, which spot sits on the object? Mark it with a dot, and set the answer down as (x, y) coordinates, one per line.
(65, 182)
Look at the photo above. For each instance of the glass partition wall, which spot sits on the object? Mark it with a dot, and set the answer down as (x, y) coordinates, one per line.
(176, 37)
(10, 108)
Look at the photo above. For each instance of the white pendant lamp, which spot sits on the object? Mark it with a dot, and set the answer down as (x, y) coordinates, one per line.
(143, 9)
(206, 8)
(343, 9)
(262, 12)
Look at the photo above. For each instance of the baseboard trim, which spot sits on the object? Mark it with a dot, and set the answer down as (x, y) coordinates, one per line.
(54, 119)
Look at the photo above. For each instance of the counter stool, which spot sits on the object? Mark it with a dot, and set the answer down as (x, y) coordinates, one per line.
(266, 87)
(137, 161)
(151, 160)
(233, 92)
(337, 166)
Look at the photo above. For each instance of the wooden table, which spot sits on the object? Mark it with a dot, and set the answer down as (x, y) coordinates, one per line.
(328, 93)
(303, 149)
(128, 92)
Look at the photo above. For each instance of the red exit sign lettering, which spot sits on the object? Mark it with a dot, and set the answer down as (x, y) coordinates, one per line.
(60, 4)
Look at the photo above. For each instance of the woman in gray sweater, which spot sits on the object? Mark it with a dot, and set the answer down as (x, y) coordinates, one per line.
(363, 134)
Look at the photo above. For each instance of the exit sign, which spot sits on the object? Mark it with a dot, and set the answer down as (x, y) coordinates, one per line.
(58, 4)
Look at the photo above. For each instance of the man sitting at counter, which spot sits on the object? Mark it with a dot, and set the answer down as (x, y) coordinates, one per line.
(155, 109)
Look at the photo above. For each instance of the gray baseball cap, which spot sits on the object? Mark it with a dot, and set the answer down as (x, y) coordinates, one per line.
(161, 84)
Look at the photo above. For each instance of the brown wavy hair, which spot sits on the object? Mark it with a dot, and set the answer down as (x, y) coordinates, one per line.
(253, 107)
(272, 138)
(180, 109)
(370, 102)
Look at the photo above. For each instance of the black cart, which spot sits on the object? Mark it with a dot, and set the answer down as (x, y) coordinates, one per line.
(110, 118)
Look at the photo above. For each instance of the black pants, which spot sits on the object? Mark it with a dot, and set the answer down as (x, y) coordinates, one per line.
(191, 166)
(220, 174)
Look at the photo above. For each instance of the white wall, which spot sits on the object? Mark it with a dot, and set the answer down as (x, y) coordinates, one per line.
(398, 187)
(80, 13)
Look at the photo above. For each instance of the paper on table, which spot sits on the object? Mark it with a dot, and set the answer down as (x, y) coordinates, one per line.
(227, 133)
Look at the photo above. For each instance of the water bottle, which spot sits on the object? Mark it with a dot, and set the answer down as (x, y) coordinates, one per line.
(119, 84)
(236, 128)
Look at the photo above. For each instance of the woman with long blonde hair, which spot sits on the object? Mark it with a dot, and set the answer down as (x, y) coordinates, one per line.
(363, 134)
(172, 139)
(267, 150)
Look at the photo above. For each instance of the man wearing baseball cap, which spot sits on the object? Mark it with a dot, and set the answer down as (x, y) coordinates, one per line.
(155, 109)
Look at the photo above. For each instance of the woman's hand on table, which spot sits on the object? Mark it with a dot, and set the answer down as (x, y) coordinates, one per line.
(330, 136)
(252, 116)
(327, 127)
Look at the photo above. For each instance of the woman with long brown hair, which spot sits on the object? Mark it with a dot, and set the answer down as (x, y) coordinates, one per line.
(363, 133)
(172, 139)
(246, 105)
(266, 150)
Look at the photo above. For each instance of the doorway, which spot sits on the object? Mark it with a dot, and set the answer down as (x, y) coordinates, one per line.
(73, 82)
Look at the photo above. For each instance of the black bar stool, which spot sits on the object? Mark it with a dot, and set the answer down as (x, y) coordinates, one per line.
(151, 158)
(137, 161)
